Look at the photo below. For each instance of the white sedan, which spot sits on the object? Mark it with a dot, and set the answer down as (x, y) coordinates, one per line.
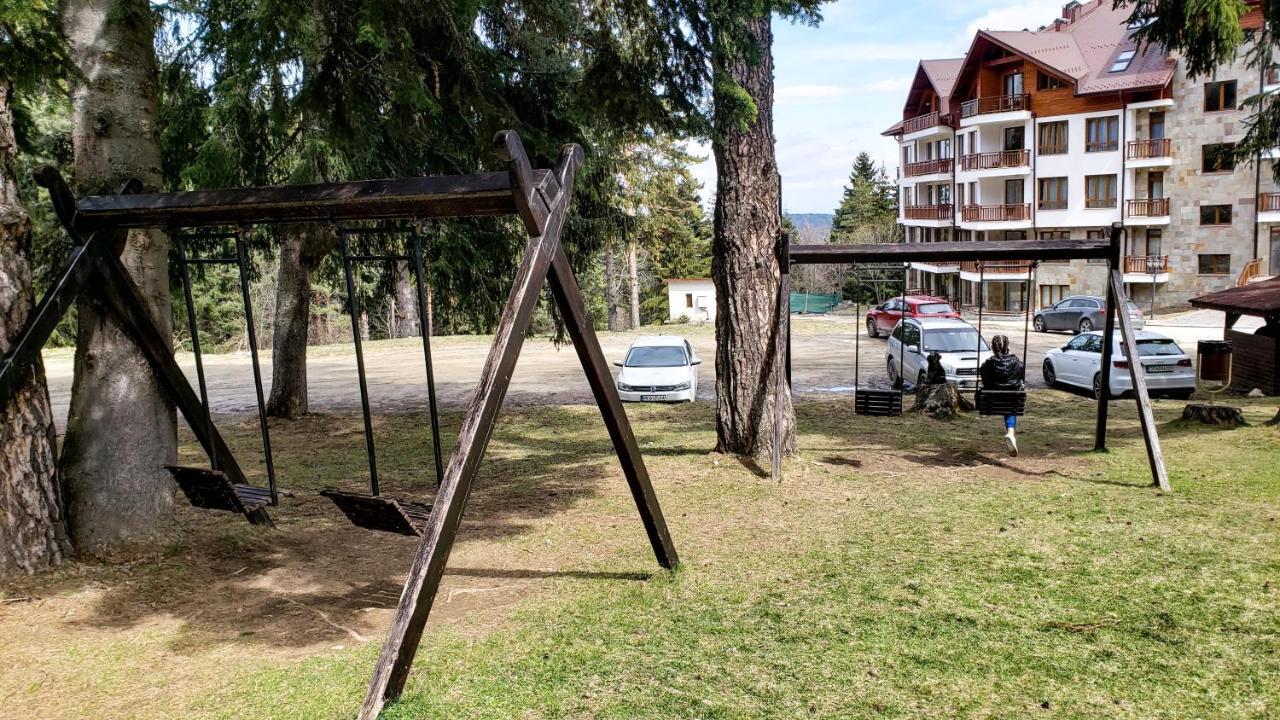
(659, 368)
(1168, 369)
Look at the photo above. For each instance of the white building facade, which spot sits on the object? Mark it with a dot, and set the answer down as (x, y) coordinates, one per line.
(1060, 132)
(691, 300)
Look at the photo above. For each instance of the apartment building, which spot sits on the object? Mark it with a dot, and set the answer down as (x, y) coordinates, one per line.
(1062, 131)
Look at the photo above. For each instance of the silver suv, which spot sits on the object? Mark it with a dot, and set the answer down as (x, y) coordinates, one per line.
(955, 341)
(1081, 313)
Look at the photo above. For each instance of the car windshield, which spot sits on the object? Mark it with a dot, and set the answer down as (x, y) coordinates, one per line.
(1154, 347)
(933, 309)
(952, 340)
(1133, 309)
(656, 356)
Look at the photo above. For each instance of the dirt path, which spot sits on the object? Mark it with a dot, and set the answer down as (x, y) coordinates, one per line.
(822, 364)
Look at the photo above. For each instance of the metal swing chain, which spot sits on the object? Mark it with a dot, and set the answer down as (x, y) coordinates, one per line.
(353, 306)
(242, 260)
(181, 247)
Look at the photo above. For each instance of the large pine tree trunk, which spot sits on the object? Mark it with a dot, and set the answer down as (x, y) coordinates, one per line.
(744, 266)
(301, 249)
(121, 430)
(406, 303)
(611, 286)
(33, 535)
(634, 277)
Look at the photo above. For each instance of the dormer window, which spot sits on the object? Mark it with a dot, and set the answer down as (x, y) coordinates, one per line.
(1122, 61)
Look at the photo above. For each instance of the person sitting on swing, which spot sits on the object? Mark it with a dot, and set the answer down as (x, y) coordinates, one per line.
(1004, 371)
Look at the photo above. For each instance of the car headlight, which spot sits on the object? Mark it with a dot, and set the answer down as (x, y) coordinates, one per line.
(625, 387)
(682, 386)
(948, 370)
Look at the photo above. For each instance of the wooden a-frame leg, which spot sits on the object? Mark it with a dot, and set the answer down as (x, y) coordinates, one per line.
(420, 588)
(122, 297)
(1138, 375)
(568, 296)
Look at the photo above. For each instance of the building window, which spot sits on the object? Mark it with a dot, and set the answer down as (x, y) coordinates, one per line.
(1122, 61)
(1100, 191)
(1053, 193)
(1154, 236)
(1097, 235)
(1215, 264)
(1217, 157)
(1273, 74)
(1045, 81)
(688, 300)
(1215, 214)
(1053, 138)
(1102, 134)
(1015, 234)
(1013, 83)
(1055, 234)
(1220, 96)
(1053, 294)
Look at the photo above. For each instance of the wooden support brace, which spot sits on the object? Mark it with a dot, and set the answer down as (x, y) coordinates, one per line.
(1138, 376)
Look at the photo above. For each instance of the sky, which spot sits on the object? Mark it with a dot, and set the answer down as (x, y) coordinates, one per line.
(841, 84)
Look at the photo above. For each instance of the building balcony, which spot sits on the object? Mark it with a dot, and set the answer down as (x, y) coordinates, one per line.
(941, 166)
(1155, 152)
(1016, 212)
(928, 212)
(1003, 162)
(1269, 207)
(1147, 211)
(997, 108)
(998, 271)
(1150, 269)
(923, 124)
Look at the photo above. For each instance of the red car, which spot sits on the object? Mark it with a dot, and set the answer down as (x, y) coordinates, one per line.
(882, 319)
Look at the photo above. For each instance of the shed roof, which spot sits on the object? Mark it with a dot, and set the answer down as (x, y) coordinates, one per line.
(1260, 298)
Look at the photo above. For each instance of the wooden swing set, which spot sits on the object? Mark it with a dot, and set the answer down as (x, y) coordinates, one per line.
(98, 227)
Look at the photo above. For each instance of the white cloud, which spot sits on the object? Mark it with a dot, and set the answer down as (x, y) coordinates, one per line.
(789, 93)
(1027, 15)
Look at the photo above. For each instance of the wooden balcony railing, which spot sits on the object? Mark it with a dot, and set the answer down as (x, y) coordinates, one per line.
(995, 104)
(1150, 149)
(995, 160)
(927, 212)
(1148, 207)
(1269, 202)
(996, 213)
(1146, 264)
(922, 122)
(927, 167)
(998, 266)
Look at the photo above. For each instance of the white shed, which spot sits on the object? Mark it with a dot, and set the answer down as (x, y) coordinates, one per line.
(693, 298)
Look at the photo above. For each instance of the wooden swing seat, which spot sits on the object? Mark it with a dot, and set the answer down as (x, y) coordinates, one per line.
(211, 490)
(384, 514)
(877, 402)
(1000, 402)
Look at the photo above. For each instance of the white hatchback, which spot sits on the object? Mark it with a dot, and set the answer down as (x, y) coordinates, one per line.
(1169, 370)
(659, 368)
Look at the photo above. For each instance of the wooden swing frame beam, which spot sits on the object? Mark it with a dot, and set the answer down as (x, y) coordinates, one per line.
(1108, 249)
(541, 198)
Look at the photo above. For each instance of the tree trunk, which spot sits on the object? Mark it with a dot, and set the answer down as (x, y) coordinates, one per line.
(635, 283)
(121, 429)
(33, 531)
(405, 302)
(289, 338)
(431, 318)
(611, 286)
(744, 265)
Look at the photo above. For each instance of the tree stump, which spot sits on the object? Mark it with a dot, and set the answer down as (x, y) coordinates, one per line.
(940, 401)
(1220, 415)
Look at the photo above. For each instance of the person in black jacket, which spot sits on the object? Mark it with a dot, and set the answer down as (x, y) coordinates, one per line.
(1004, 371)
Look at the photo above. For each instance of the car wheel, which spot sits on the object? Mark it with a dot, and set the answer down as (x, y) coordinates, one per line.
(1086, 325)
(1097, 385)
(1050, 376)
(920, 379)
(894, 380)
(1040, 324)
(872, 331)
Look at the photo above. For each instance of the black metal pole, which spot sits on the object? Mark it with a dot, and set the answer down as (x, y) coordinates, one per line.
(416, 239)
(243, 261)
(181, 247)
(353, 304)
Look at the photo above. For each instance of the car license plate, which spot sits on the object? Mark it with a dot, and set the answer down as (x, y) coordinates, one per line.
(646, 398)
(1160, 368)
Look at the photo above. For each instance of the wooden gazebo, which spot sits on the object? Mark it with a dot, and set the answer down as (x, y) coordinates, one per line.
(1256, 357)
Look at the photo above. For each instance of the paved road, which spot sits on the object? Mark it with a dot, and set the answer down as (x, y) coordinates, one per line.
(822, 364)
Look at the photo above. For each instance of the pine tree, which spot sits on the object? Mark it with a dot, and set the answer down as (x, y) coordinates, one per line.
(869, 200)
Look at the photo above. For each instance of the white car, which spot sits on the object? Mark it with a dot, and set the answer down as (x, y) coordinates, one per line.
(660, 368)
(1169, 370)
(955, 341)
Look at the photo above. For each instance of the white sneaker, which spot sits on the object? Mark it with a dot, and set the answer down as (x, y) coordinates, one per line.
(1012, 442)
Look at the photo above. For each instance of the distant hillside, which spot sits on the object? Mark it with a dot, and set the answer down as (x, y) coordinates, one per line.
(813, 227)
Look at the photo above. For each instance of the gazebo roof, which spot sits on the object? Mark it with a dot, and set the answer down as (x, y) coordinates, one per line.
(1261, 299)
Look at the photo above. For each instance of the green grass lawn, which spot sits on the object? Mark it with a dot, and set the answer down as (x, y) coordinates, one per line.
(904, 568)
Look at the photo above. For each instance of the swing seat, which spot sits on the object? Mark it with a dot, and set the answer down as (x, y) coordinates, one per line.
(1000, 402)
(375, 512)
(877, 402)
(211, 490)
